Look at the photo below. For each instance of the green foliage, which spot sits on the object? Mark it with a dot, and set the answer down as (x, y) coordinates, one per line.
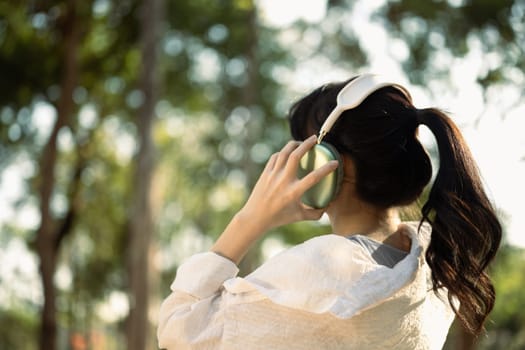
(430, 28)
(23, 37)
(18, 329)
(505, 328)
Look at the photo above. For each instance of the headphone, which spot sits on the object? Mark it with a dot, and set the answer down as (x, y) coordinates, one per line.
(350, 96)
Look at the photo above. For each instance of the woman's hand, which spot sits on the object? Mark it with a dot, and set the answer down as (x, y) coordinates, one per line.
(276, 197)
(274, 201)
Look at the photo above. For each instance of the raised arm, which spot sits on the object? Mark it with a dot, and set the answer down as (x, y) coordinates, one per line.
(274, 201)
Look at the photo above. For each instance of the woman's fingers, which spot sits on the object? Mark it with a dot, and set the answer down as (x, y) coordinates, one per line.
(270, 164)
(317, 175)
(293, 151)
(279, 191)
(300, 151)
(284, 153)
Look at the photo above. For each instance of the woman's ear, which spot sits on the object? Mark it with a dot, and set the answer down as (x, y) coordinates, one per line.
(349, 172)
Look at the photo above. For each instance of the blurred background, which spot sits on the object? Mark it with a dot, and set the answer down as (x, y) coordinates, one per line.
(131, 131)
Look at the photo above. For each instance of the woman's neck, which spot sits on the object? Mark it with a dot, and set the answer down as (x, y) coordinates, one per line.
(382, 226)
(364, 220)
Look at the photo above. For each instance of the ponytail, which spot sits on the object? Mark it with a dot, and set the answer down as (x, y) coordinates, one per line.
(465, 230)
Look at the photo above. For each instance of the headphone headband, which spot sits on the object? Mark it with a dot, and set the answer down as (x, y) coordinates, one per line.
(355, 92)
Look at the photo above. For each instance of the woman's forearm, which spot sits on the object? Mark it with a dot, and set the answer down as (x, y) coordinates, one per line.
(238, 237)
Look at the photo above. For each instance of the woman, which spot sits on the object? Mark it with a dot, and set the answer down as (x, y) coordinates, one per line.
(375, 283)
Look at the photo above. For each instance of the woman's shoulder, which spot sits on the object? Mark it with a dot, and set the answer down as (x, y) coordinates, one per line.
(419, 232)
(310, 276)
(321, 260)
(326, 249)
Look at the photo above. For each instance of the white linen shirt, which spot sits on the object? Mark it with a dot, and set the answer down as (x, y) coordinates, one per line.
(326, 293)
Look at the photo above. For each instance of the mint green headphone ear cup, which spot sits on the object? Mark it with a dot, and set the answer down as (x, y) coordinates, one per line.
(322, 193)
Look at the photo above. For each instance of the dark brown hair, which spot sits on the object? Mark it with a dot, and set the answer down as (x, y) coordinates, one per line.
(393, 168)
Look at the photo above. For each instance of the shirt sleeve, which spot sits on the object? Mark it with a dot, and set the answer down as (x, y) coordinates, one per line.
(203, 274)
(192, 313)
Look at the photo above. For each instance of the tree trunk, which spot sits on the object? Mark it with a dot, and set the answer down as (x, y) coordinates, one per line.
(140, 224)
(49, 234)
